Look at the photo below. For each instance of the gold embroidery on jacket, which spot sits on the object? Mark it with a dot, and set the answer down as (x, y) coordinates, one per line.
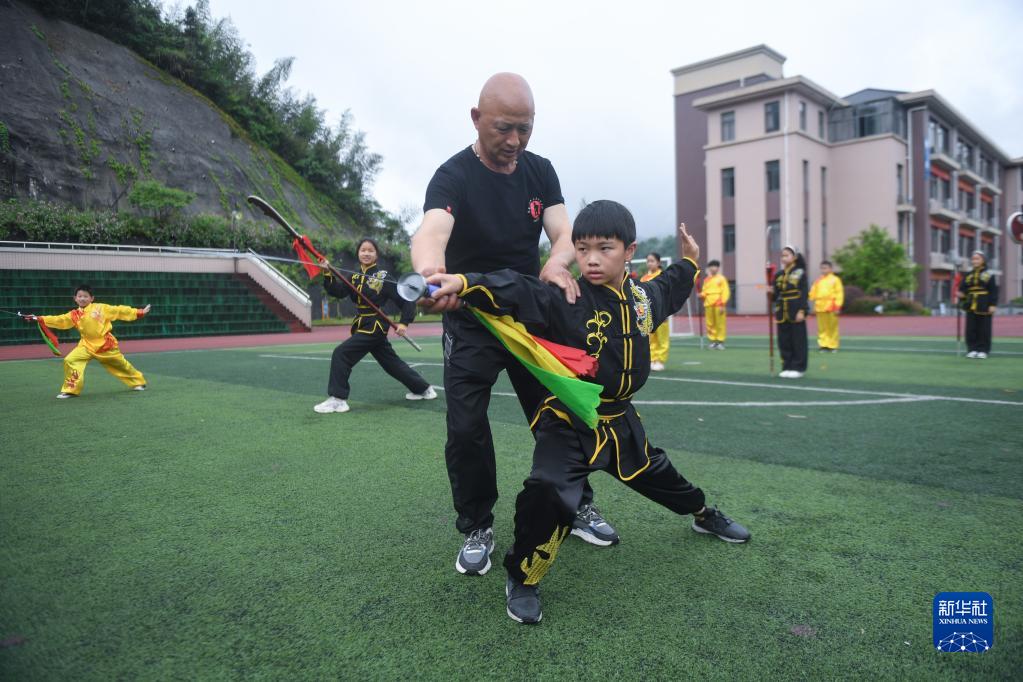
(600, 320)
(644, 316)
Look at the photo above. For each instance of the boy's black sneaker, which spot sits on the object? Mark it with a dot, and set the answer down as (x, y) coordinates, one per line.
(593, 528)
(716, 523)
(523, 602)
(474, 557)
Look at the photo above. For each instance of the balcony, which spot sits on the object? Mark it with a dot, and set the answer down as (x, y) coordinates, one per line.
(944, 208)
(966, 172)
(940, 261)
(903, 204)
(943, 159)
(971, 216)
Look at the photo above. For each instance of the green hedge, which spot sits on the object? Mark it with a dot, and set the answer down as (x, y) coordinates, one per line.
(866, 305)
(37, 221)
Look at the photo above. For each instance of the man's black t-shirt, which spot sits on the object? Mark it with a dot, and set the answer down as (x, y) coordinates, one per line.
(498, 217)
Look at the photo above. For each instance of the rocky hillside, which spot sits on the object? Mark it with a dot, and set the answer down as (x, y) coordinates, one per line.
(82, 119)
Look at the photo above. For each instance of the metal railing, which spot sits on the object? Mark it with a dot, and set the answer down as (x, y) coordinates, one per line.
(276, 274)
(200, 252)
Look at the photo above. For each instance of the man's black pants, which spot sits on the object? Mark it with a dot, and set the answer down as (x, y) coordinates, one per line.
(473, 358)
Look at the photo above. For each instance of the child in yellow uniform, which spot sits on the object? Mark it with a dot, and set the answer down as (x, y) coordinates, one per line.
(715, 294)
(660, 340)
(828, 296)
(92, 320)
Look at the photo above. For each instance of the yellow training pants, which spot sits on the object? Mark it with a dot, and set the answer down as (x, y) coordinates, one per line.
(660, 341)
(716, 324)
(113, 360)
(827, 330)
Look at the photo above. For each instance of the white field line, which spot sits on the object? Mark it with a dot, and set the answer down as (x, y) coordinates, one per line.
(884, 349)
(846, 391)
(881, 397)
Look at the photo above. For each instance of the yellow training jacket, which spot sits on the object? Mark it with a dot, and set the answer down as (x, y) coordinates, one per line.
(93, 323)
(828, 294)
(715, 291)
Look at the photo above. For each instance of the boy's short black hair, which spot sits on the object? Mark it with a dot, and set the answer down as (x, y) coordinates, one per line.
(714, 264)
(605, 218)
(826, 262)
(84, 287)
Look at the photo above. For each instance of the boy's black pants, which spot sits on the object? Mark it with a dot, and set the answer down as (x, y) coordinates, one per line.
(561, 463)
(792, 345)
(348, 354)
(978, 332)
(472, 360)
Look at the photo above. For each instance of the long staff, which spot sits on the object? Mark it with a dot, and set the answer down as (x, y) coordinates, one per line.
(770, 313)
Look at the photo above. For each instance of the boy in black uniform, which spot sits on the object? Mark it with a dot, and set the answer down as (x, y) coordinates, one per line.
(791, 304)
(369, 333)
(612, 321)
(978, 293)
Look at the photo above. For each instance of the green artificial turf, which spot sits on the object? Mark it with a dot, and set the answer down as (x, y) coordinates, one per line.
(215, 527)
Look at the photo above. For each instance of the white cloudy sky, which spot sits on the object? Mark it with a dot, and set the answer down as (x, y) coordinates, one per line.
(600, 73)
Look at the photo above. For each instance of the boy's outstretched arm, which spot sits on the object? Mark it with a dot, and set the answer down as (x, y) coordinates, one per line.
(504, 292)
(668, 293)
(125, 313)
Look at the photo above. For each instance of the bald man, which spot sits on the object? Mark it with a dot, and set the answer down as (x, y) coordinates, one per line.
(484, 210)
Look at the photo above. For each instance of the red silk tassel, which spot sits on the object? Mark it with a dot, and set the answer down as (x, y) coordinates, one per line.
(577, 360)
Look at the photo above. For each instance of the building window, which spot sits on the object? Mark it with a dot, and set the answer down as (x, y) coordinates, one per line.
(802, 115)
(727, 183)
(772, 119)
(728, 126)
(899, 194)
(773, 237)
(729, 238)
(773, 176)
(941, 240)
(820, 124)
(967, 245)
(733, 299)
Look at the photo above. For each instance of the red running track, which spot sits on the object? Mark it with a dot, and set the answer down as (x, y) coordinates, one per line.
(1004, 325)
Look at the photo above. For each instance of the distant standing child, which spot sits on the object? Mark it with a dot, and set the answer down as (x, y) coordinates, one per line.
(828, 296)
(715, 294)
(369, 333)
(790, 307)
(978, 294)
(660, 340)
(93, 322)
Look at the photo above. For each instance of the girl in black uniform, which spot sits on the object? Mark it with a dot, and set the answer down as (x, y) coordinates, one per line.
(369, 333)
(978, 295)
(790, 308)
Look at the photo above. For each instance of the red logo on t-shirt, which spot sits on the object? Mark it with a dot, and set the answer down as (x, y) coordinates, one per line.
(535, 209)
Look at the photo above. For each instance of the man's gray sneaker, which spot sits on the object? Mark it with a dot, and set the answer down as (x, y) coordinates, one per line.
(523, 602)
(591, 527)
(474, 558)
(716, 523)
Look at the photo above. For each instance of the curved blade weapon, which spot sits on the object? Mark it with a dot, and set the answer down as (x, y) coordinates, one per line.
(304, 248)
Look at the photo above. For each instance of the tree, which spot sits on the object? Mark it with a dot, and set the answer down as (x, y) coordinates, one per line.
(876, 263)
(158, 200)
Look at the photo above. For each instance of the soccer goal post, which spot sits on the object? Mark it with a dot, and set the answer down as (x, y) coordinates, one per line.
(637, 267)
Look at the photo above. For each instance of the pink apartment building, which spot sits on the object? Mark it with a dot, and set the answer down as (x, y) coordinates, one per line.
(762, 160)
